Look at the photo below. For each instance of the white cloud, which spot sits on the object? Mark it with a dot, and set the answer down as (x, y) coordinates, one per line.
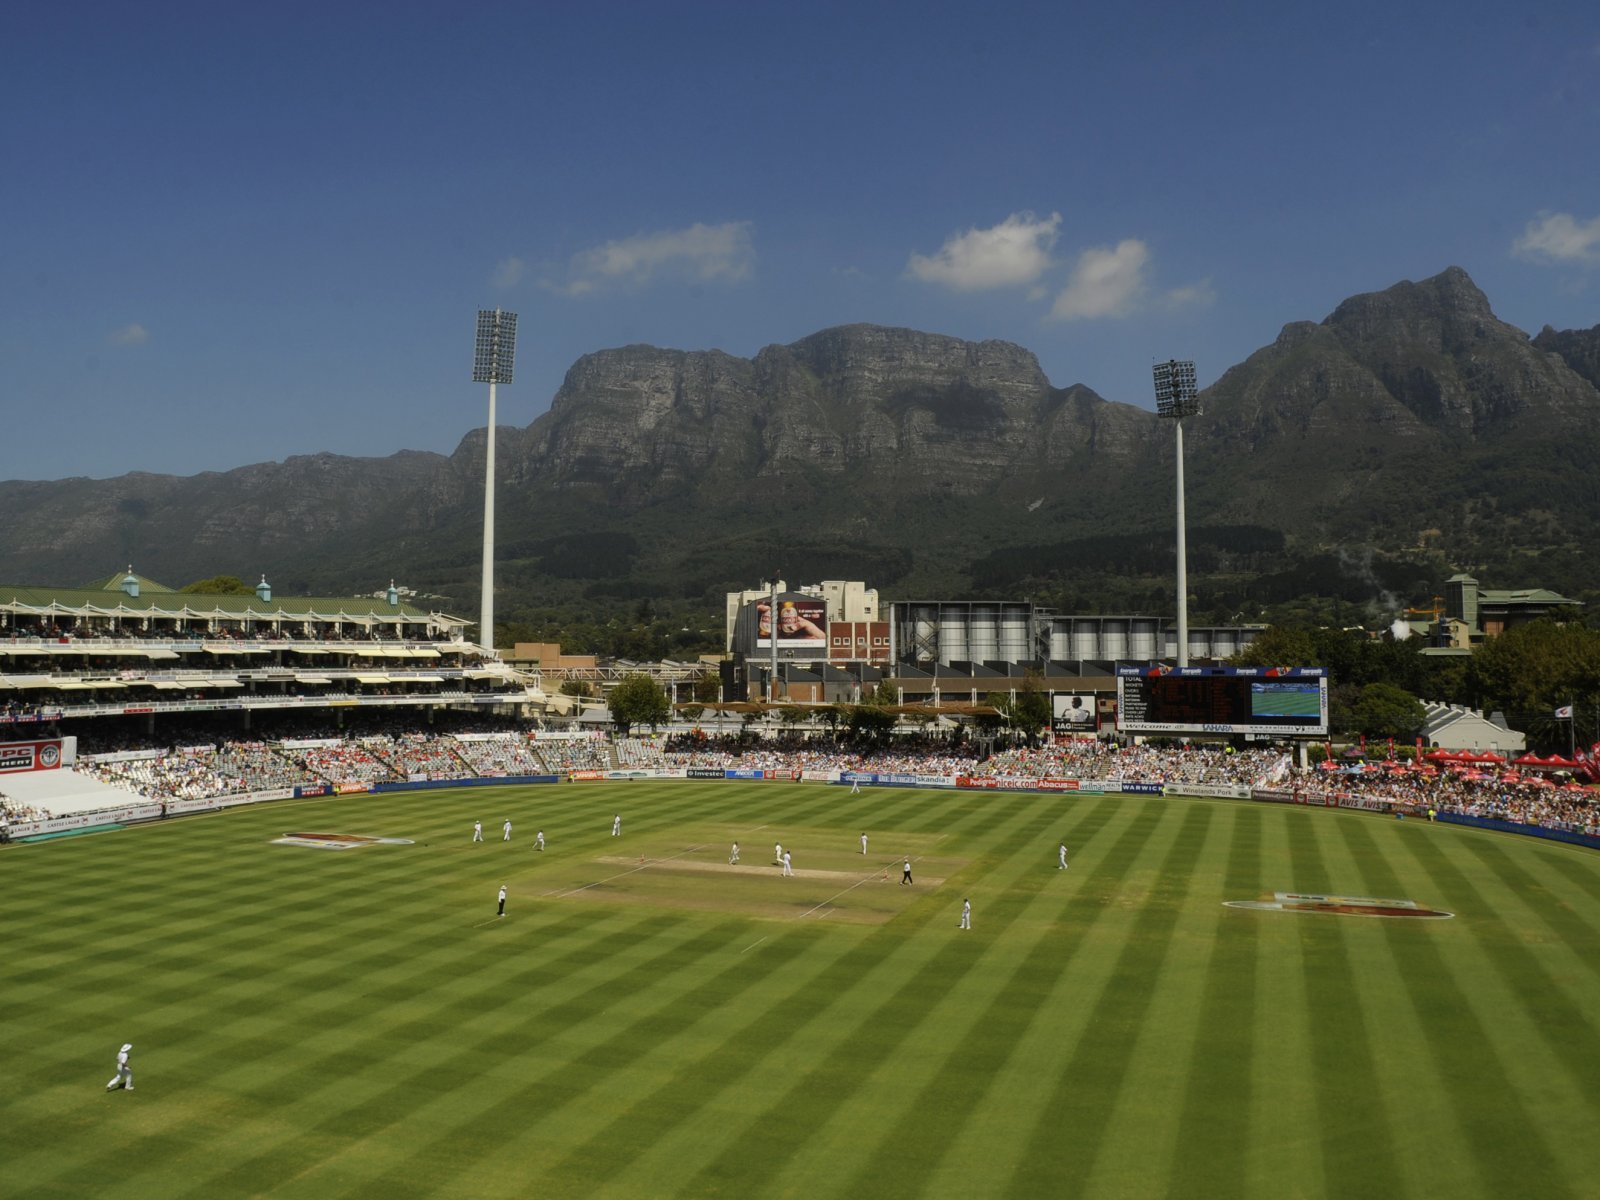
(1104, 283)
(129, 335)
(705, 253)
(507, 273)
(1559, 238)
(1193, 295)
(1011, 254)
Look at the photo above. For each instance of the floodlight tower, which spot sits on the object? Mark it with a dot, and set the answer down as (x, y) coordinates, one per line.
(1177, 398)
(492, 363)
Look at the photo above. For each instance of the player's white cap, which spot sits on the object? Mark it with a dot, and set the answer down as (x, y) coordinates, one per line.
(126, 1046)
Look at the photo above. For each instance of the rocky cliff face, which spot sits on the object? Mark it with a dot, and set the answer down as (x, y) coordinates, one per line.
(1578, 348)
(1406, 413)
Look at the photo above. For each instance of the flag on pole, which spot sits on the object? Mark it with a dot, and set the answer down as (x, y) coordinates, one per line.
(1564, 713)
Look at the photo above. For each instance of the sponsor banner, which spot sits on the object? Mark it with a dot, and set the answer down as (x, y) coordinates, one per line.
(117, 756)
(1140, 789)
(577, 775)
(31, 718)
(822, 776)
(1226, 791)
(638, 773)
(705, 773)
(312, 789)
(143, 811)
(1058, 785)
(743, 773)
(914, 780)
(419, 777)
(1374, 803)
(345, 789)
(30, 756)
(135, 710)
(1280, 796)
(310, 743)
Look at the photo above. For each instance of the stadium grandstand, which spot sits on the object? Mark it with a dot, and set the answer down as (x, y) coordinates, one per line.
(129, 701)
(128, 665)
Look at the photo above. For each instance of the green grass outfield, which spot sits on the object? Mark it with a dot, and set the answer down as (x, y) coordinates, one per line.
(357, 1023)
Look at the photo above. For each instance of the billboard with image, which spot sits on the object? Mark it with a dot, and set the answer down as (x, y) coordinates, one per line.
(802, 623)
(1075, 713)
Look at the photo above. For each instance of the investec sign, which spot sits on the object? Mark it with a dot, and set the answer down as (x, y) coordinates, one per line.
(30, 756)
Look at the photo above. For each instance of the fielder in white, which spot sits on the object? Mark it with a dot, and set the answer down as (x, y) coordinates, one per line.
(538, 840)
(1061, 854)
(777, 852)
(733, 855)
(616, 825)
(863, 843)
(787, 869)
(505, 831)
(502, 909)
(477, 831)
(855, 787)
(124, 1077)
(966, 914)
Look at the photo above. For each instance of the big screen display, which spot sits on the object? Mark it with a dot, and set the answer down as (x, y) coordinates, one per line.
(1269, 700)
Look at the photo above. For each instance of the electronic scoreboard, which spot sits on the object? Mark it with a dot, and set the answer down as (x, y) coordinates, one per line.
(1281, 701)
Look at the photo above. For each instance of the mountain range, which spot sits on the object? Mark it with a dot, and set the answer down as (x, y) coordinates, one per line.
(1360, 459)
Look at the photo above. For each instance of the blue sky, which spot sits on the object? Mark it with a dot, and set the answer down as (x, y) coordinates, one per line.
(232, 233)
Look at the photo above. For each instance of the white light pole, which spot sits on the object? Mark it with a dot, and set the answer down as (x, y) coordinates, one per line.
(492, 363)
(1177, 398)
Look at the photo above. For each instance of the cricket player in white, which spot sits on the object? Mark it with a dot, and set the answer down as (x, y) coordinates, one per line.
(855, 787)
(124, 1077)
(502, 910)
(505, 831)
(777, 852)
(787, 869)
(477, 831)
(1062, 855)
(733, 855)
(616, 825)
(538, 840)
(863, 843)
(966, 914)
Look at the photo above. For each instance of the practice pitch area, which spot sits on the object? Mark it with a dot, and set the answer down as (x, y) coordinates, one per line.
(647, 1020)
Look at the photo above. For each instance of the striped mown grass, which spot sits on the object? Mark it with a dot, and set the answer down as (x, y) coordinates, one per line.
(358, 1023)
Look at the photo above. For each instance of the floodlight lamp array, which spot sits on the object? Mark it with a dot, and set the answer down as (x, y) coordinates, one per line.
(496, 351)
(1176, 392)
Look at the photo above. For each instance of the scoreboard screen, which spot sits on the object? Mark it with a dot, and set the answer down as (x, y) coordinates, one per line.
(1270, 700)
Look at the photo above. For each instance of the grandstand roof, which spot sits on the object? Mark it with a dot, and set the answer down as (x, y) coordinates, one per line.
(155, 601)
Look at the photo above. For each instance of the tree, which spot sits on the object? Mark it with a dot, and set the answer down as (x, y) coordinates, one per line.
(871, 722)
(885, 694)
(638, 700)
(708, 688)
(1384, 710)
(1535, 668)
(575, 687)
(219, 585)
(1280, 646)
(1029, 711)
